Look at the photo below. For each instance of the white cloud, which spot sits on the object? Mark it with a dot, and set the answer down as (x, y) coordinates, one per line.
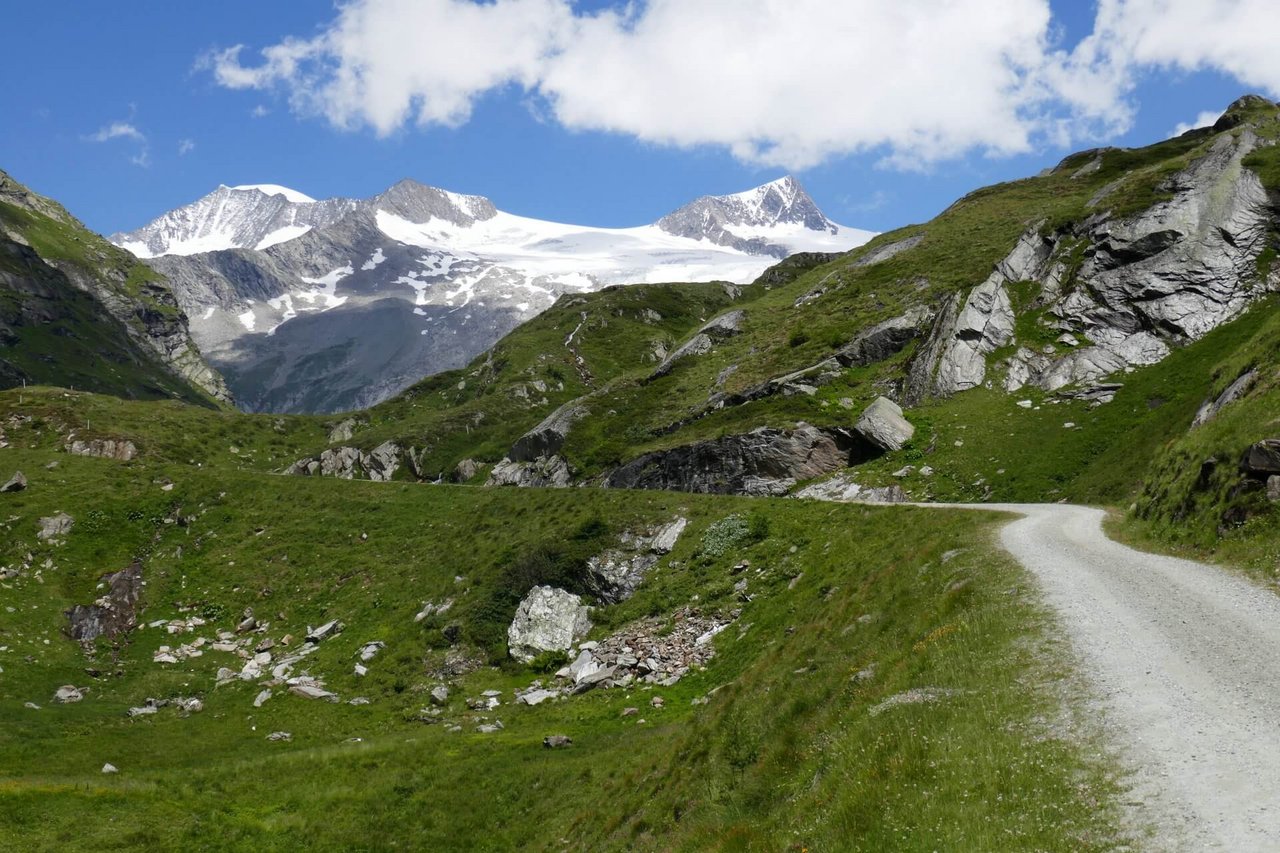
(259, 111)
(117, 130)
(779, 84)
(125, 130)
(186, 146)
(1205, 119)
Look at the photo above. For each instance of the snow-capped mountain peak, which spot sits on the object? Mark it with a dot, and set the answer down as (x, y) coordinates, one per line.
(419, 203)
(275, 189)
(250, 216)
(761, 221)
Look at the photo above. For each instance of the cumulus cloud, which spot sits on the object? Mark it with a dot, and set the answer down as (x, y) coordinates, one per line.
(117, 130)
(779, 84)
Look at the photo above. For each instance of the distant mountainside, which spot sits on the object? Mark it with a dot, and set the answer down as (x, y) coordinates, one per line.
(1044, 337)
(321, 306)
(76, 311)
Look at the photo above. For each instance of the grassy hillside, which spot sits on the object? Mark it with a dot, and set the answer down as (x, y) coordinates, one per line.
(794, 746)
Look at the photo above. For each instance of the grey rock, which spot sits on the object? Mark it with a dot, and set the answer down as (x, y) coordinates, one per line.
(765, 461)
(885, 339)
(536, 697)
(68, 693)
(721, 328)
(342, 431)
(880, 254)
(1237, 389)
(109, 768)
(310, 691)
(329, 629)
(842, 488)
(465, 470)
(1273, 488)
(114, 613)
(261, 698)
(883, 425)
(104, 448)
(55, 527)
(439, 695)
(556, 741)
(16, 483)
(548, 437)
(545, 472)
(280, 737)
(1262, 460)
(594, 679)
(381, 463)
(548, 619)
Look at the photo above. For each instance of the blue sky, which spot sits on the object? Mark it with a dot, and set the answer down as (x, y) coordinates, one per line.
(600, 114)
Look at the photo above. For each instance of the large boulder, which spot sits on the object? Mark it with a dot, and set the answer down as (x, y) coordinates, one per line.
(1262, 460)
(16, 483)
(883, 425)
(547, 620)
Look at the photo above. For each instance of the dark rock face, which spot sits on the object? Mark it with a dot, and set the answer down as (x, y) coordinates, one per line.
(762, 462)
(1262, 460)
(884, 340)
(114, 614)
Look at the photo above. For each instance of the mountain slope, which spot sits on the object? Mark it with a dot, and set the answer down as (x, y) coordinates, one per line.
(380, 292)
(77, 311)
(1061, 299)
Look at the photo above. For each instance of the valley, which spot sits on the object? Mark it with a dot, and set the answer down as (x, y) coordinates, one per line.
(658, 566)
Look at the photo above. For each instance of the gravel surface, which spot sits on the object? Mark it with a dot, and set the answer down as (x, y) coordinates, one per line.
(1186, 659)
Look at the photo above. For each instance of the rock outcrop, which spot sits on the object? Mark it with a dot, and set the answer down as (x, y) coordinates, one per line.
(350, 463)
(119, 449)
(1148, 281)
(721, 328)
(765, 461)
(543, 472)
(548, 619)
(614, 575)
(1237, 389)
(113, 614)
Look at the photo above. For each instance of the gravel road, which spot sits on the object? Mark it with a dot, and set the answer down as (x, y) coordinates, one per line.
(1186, 659)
